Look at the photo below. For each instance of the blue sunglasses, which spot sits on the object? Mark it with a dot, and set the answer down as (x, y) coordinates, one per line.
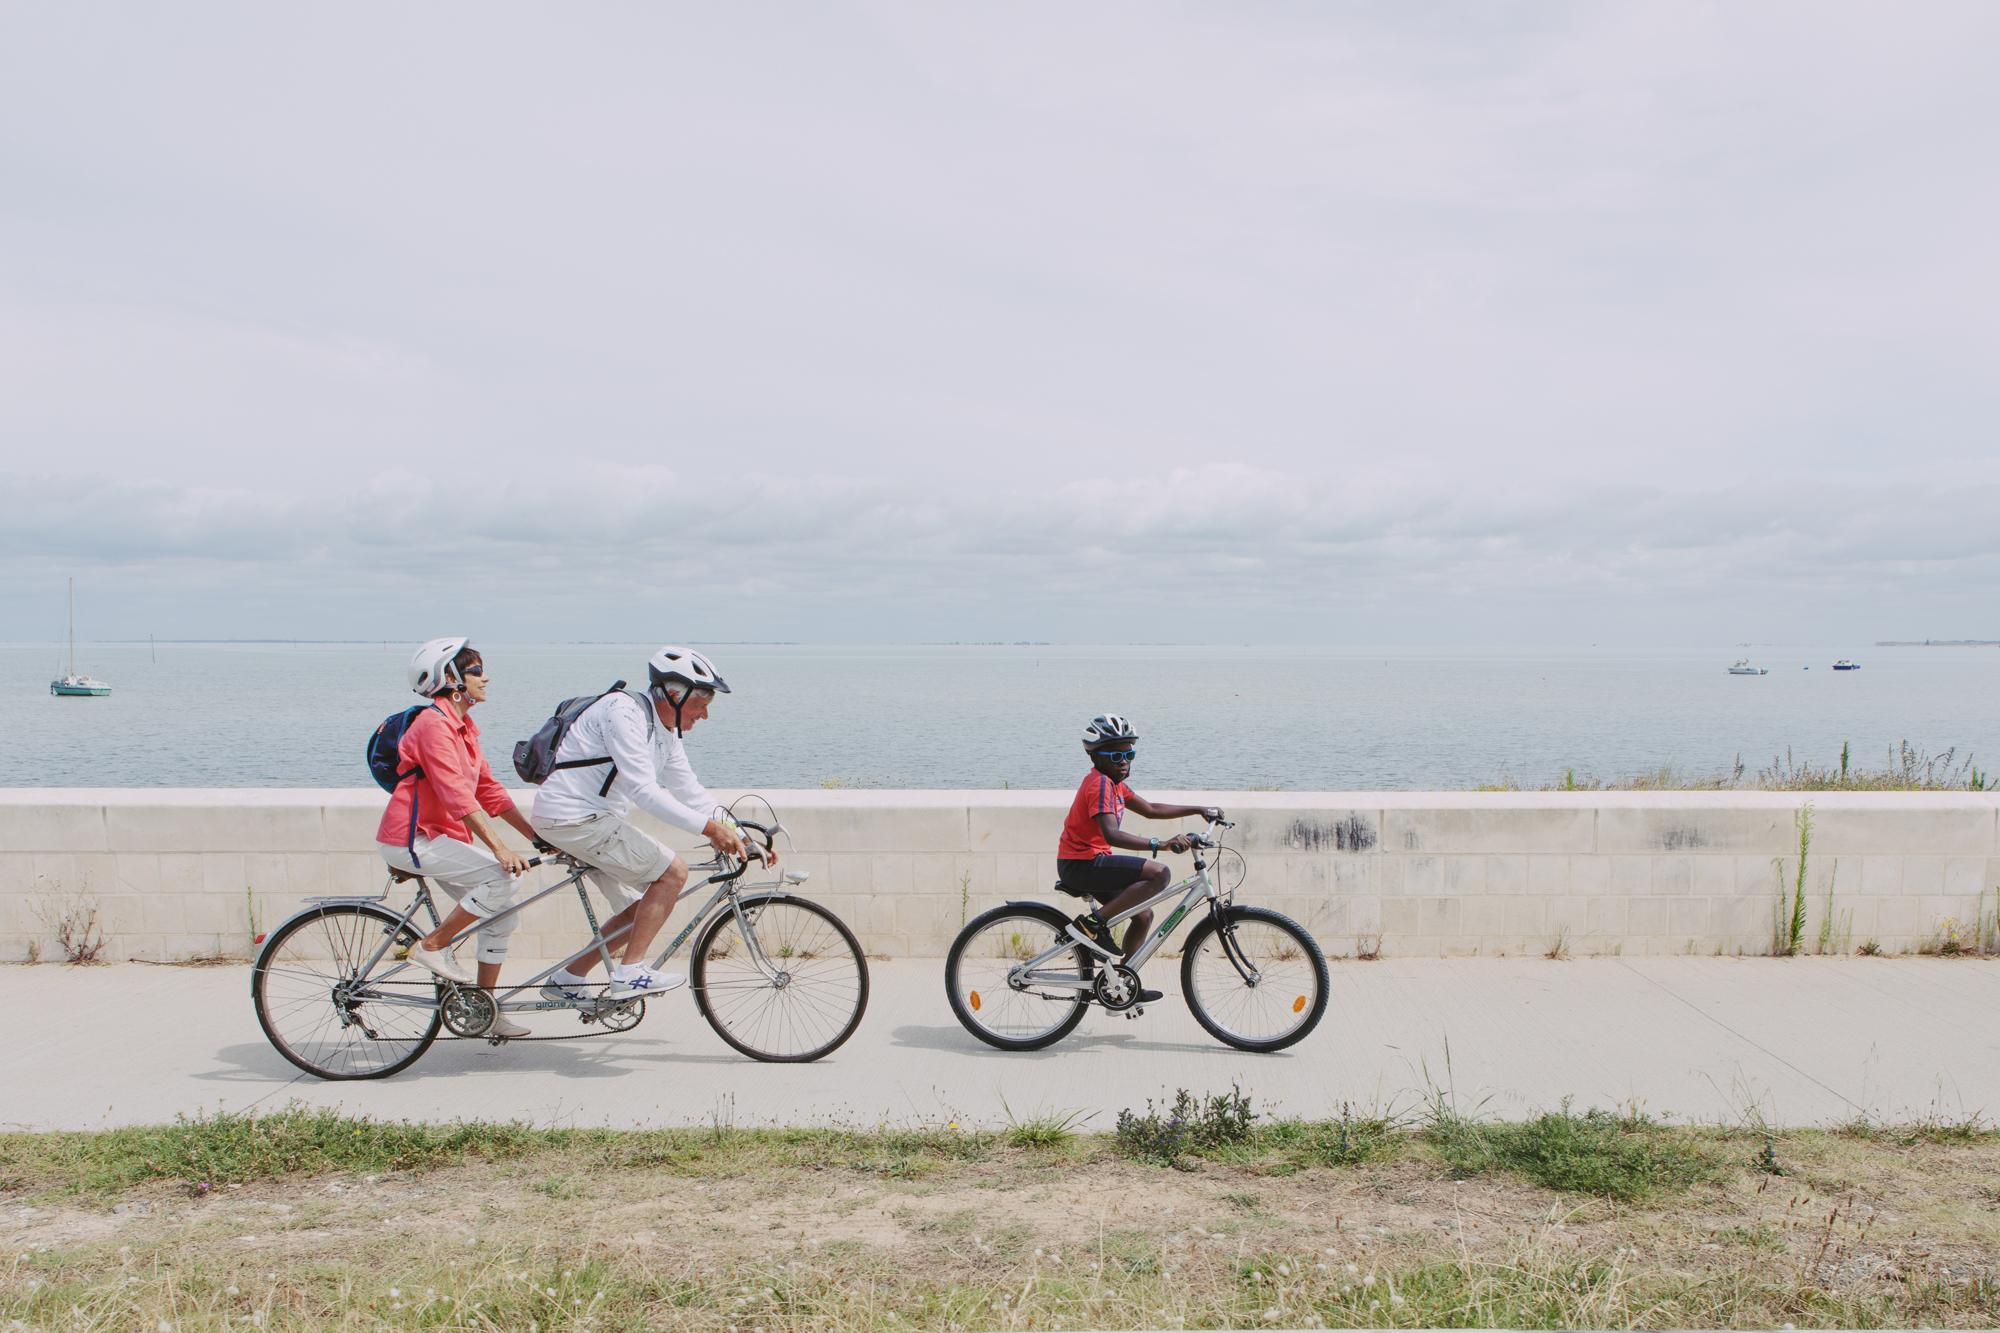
(1116, 754)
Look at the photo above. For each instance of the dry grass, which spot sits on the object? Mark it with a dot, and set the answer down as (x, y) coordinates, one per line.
(497, 1227)
(1906, 767)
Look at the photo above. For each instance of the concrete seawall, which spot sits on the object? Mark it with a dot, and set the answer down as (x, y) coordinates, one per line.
(185, 873)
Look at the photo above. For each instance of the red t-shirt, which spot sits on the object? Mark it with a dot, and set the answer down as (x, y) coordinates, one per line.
(1082, 838)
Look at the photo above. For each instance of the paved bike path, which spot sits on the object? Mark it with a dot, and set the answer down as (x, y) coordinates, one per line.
(1803, 1041)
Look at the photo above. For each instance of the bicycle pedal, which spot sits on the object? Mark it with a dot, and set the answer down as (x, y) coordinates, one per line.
(1134, 1011)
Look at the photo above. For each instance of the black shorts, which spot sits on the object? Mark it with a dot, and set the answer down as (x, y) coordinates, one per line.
(1104, 878)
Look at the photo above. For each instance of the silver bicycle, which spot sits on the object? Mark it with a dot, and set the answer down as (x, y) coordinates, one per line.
(778, 976)
(1252, 977)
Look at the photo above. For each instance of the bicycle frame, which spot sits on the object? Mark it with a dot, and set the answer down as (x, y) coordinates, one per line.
(725, 880)
(1194, 887)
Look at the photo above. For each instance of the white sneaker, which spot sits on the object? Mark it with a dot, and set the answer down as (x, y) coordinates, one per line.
(439, 962)
(638, 979)
(568, 988)
(504, 1026)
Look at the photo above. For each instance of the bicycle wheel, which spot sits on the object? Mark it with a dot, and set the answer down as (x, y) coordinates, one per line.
(314, 1007)
(812, 1004)
(976, 970)
(1285, 1000)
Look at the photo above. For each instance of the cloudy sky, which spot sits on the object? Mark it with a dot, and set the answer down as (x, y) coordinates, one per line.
(1323, 323)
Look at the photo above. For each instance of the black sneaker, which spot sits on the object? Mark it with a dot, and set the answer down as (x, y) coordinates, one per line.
(1150, 996)
(1090, 929)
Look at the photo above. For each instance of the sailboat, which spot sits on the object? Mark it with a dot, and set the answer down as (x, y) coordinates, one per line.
(71, 684)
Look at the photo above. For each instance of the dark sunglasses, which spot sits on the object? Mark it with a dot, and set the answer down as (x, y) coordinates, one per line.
(1117, 754)
(474, 670)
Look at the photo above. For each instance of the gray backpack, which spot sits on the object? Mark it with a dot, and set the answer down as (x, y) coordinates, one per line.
(535, 758)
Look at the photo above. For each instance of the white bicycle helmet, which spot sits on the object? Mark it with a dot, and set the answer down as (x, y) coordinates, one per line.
(1107, 727)
(431, 671)
(682, 666)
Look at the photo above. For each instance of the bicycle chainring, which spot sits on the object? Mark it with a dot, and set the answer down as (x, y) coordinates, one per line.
(469, 1011)
(621, 1017)
(1117, 987)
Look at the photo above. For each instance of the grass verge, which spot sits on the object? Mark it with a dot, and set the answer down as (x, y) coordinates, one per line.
(311, 1220)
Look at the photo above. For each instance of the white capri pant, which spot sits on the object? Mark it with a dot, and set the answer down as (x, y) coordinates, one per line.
(473, 878)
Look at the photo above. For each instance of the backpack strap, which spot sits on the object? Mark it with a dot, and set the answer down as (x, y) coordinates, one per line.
(652, 726)
(416, 797)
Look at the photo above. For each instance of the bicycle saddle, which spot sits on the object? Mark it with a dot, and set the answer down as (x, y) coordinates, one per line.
(1074, 893)
(402, 876)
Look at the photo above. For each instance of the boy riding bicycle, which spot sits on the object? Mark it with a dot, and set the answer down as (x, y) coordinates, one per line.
(1084, 858)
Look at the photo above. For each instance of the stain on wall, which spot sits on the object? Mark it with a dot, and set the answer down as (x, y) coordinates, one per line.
(1682, 839)
(1351, 834)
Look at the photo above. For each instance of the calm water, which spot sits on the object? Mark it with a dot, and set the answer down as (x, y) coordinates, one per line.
(235, 715)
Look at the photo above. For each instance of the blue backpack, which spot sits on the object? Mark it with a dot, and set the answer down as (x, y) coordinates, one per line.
(384, 764)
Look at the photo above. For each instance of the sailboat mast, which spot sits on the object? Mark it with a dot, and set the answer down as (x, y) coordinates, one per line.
(72, 626)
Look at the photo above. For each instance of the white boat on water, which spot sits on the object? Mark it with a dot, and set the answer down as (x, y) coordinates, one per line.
(71, 685)
(1743, 668)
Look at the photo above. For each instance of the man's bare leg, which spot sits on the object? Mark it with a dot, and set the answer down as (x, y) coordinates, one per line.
(646, 917)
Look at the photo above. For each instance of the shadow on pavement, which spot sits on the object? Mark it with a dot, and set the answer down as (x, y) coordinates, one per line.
(958, 1039)
(257, 1062)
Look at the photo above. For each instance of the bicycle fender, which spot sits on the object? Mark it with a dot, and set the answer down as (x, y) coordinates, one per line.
(312, 905)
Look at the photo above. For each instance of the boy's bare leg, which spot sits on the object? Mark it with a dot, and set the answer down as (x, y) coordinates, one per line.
(1148, 884)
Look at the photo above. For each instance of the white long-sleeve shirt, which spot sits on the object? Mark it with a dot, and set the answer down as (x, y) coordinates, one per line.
(652, 774)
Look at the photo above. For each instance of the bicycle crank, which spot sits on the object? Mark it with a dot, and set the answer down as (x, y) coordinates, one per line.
(1117, 987)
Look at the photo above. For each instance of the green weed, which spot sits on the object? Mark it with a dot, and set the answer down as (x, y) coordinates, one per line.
(1191, 1125)
(1623, 1157)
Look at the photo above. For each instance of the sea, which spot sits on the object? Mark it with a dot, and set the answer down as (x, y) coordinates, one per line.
(990, 716)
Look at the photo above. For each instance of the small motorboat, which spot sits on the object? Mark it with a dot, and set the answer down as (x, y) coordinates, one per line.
(1743, 668)
(1844, 665)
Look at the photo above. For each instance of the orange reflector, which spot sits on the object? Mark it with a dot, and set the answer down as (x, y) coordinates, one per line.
(1299, 1005)
(975, 999)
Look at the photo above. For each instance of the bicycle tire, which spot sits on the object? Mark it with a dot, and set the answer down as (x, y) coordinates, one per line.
(728, 1017)
(1308, 948)
(1056, 923)
(351, 931)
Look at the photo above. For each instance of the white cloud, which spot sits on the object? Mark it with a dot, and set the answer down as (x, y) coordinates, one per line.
(1491, 321)
(1223, 545)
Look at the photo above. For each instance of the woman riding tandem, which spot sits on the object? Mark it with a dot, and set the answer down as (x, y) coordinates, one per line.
(443, 797)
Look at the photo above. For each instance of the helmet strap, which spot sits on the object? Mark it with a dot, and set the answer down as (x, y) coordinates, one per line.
(662, 693)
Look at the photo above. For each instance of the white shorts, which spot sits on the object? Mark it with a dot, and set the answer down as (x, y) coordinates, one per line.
(623, 861)
(473, 878)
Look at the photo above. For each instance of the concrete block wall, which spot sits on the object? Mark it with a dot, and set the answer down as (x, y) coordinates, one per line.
(186, 873)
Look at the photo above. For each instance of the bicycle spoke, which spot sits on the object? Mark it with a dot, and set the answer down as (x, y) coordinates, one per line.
(1285, 997)
(807, 1013)
(316, 1015)
(981, 993)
